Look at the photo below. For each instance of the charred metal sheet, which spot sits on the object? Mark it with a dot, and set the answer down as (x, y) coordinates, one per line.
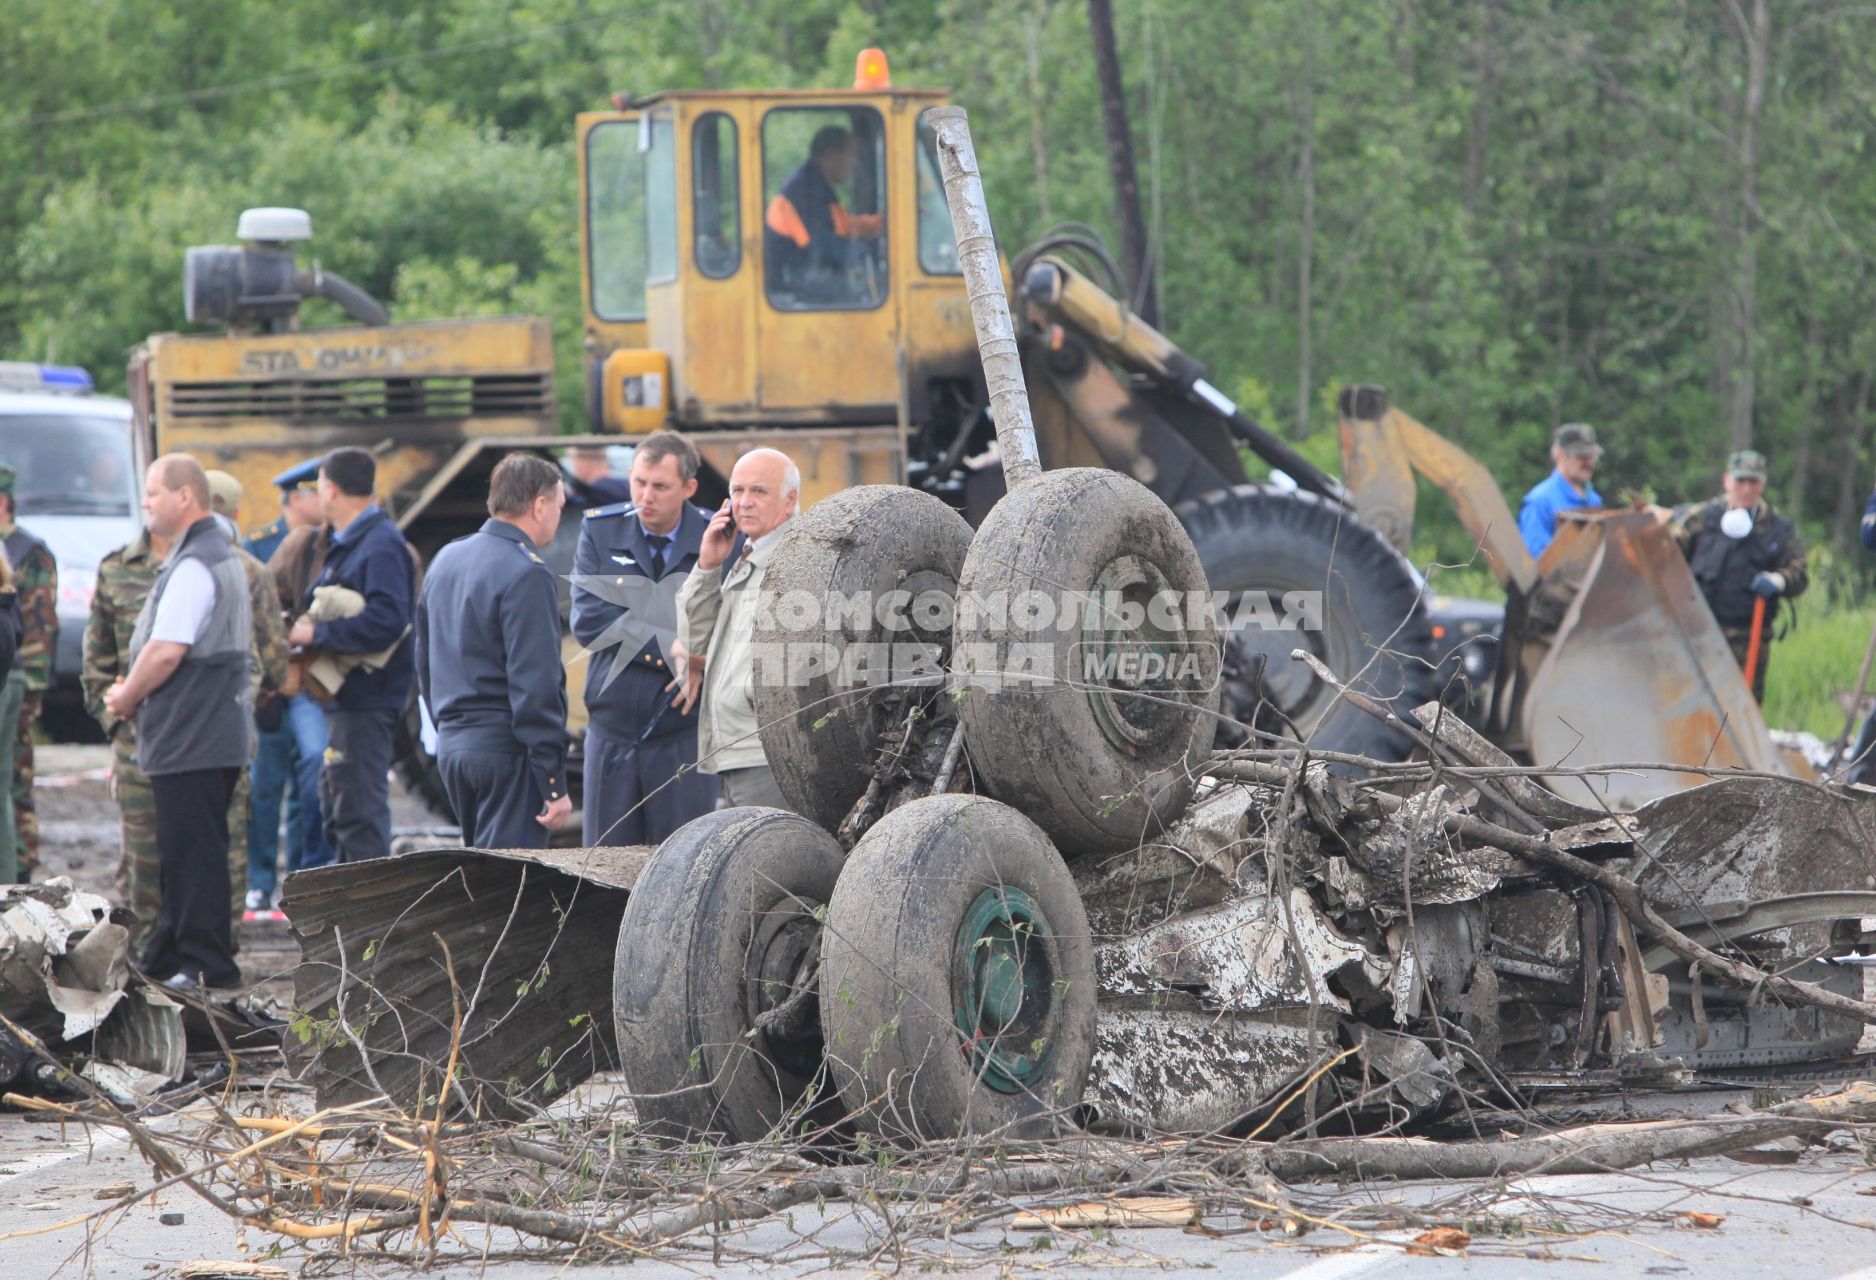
(1417, 1075)
(1638, 670)
(65, 978)
(531, 935)
(1246, 954)
(1716, 922)
(1468, 745)
(1409, 854)
(1182, 1069)
(1754, 840)
(1734, 1030)
(1193, 864)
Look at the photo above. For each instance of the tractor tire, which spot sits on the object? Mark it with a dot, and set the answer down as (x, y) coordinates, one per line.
(1370, 625)
(1093, 723)
(821, 728)
(722, 927)
(957, 976)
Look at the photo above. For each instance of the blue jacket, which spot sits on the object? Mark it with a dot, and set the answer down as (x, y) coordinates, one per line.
(371, 558)
(1869, 523)
(1537, 518)
(488, 652)
(621, 622)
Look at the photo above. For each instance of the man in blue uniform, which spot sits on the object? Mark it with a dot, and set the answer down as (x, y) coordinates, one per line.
(276, 767)
(641, 772)
(367, 555)
(1575, 452)
(590, 482)
(488, 664)
(299, 506)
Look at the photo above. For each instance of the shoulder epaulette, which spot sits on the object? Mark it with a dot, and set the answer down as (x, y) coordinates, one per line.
(614, 509)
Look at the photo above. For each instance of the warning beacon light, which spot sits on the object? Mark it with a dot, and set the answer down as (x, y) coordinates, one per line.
(870, 70)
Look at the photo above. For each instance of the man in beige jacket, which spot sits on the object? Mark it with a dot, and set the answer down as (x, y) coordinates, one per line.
(716, 624)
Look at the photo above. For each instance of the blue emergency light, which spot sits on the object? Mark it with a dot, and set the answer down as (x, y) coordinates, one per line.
(59, 379)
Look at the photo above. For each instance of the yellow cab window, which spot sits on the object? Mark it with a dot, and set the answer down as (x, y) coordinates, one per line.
(660, 202)
(615, 220)
(937, 244)
(718, 245)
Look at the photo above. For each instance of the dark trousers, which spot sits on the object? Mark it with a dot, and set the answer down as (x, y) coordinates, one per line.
(192, 933)
(1739, 640)
(494, 798)
(634, 793)
(355, 786)
(270, 784)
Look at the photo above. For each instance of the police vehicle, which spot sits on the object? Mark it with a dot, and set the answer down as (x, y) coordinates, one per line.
(77, 486)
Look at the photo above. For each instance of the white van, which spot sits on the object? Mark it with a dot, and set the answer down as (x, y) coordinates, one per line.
(77, 487)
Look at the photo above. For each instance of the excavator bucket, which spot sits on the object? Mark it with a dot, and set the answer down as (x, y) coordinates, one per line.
(1613, 656)
(1637, 669)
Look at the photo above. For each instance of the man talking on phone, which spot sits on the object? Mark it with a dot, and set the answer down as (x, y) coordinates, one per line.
(716, 624)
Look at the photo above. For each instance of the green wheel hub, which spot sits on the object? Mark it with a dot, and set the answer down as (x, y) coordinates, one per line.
(1003, 985)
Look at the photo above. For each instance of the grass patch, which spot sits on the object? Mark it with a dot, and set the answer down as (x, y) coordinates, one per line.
(1817, 659)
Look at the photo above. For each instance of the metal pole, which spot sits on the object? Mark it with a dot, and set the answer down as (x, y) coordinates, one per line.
(990, 309)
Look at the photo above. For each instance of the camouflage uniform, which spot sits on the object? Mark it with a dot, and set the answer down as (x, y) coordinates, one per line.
(125, 577)
(1724, 568)
(38, 577)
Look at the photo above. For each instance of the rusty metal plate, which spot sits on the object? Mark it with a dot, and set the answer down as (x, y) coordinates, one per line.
(1639, 671)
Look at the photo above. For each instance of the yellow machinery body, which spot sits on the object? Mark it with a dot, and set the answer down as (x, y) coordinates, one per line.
(681, 298)
(416, 395)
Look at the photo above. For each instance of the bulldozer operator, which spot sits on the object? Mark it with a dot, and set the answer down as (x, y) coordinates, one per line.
(809, 238)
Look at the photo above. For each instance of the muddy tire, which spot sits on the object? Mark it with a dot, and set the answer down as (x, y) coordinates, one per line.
(1100, 758)
(1374, 631)
(821, 732)
(722, 928)
(957, 976)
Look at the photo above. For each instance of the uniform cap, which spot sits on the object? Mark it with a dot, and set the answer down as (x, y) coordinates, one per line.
(1746, 464)
(301, 475)
(224, 493)
(1577, 437)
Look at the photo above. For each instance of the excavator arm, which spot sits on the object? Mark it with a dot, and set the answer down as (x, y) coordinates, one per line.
(1067, 310)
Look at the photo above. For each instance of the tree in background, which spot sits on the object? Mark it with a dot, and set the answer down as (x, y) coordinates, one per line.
(1509, 212)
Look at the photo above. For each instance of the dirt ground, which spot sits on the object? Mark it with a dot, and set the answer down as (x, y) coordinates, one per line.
(78, 837)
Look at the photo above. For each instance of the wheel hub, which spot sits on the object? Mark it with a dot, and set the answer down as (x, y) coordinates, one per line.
(1003, 989)
(1126, 652)
(783, 960)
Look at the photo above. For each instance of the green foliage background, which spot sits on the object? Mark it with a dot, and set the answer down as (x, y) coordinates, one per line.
(1513, 212)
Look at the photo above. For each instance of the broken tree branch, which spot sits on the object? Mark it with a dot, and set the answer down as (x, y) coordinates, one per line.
(1596, 1148)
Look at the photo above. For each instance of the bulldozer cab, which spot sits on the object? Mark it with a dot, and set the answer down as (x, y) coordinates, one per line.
(771, 260)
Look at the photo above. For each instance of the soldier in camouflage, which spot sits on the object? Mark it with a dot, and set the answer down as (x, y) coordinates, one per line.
(37, 574)
(125, 577)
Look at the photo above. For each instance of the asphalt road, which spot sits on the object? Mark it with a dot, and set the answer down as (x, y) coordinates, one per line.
(1816, 1218)
(1809, 1220)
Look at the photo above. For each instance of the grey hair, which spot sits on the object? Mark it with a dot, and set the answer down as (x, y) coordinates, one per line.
(791, 474)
